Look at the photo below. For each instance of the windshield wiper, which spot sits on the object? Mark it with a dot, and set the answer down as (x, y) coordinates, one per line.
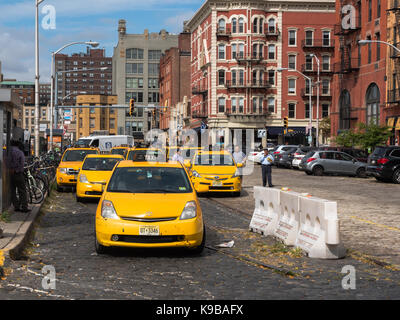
(121, 191)
(158, 191)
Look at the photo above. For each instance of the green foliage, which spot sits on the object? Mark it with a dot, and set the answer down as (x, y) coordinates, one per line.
(364, 136)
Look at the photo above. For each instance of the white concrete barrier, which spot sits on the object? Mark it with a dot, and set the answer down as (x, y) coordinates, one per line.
(288, 224)
(266, 212)
(319, 233)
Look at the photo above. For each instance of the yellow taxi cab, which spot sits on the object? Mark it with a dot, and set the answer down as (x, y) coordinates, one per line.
(215, 171)
(123, 151)
(96, 170)
(139, 154)
(71, 162)
(148, 204)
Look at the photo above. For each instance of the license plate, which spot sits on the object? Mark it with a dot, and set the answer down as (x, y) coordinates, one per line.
(149, 231)
(217, 183)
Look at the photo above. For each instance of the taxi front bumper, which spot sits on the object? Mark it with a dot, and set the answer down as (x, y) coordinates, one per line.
(203, 185)
(86, 190)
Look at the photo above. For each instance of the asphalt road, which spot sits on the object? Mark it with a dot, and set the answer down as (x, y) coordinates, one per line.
(64, 239)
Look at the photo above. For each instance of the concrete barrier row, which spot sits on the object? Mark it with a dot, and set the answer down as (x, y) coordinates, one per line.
(298, 220)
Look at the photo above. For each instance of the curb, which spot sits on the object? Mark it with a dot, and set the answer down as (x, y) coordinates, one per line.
(15, 247)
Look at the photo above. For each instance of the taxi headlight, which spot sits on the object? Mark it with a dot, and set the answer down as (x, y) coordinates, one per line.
(190, 211)
(236, 174)
(108, 211)
(63, 170)
(196, 174)
(83, 179)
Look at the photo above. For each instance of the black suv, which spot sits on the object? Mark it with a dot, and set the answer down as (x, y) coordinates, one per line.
(384, 163)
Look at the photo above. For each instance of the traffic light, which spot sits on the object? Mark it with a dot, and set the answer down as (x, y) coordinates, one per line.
(131, 107)
(286, 122)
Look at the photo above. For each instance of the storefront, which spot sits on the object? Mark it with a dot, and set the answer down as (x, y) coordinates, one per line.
(291, 135)
(394, 127)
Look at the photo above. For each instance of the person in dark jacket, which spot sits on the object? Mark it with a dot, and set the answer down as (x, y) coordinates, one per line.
(16, 161)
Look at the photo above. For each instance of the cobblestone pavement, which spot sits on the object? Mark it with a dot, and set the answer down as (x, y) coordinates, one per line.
(255, 268)
(369, 211)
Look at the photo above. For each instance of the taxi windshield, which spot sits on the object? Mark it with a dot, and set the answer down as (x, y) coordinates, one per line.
(149, 180)
(186, 154)
(146, 155)
(100, 164)
(214, 160)
(77, 155)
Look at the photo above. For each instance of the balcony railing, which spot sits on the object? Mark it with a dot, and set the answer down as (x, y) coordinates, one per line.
(394, 96)
(249, 57)
(347, 66)
(394, 5)
(327, 44)
(272, 32)
(223, 32)
(247, 84)
(199, 89)
(200, 113)
(322, 96)
(312, 68)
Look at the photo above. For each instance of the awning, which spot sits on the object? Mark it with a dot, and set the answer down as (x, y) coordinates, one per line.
(195, 123)
(390, 123)
(397, 124)
(276, 131)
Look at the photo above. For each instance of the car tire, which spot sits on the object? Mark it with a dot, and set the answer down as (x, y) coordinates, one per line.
(236, 194)
(361, 173)
(81, 200)
(318, 171)
(198, 250)
(100, 249)
(59, 189)
(396, 176)
(308, 173)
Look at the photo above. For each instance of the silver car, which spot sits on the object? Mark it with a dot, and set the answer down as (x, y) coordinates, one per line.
(320, 162)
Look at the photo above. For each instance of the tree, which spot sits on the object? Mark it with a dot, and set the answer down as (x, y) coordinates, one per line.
(325, 128)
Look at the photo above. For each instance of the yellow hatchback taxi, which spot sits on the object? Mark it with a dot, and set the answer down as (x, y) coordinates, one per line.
(147, 204)
(71, 162)
(96, 171)
(215, 171)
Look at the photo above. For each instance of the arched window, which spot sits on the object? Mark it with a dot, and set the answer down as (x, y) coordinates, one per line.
(234, 25)
(241, 25)
(261, 27)
(221, 25)
(271, 26)
(255, 25)
(221, 77)
(372, 99)
(221, 51)
(344, 112)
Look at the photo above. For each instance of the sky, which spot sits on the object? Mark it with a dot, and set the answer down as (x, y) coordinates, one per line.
(65, 21)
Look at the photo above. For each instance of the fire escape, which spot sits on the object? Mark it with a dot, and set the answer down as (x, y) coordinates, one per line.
(393, 98)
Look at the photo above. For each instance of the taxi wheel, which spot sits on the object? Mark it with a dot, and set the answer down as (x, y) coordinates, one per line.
(236, 194)
(200, 248)
(100, 249)
(60, 189)
(79, 199)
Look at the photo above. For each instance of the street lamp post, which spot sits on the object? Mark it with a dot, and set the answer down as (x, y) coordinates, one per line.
(37, 108)
(53, 54)
(363, 42)
(309, 94)
(318, 84)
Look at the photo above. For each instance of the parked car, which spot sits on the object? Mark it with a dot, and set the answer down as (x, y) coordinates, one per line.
(360, 155)
(284, 159)
(384, 164)
(255, 156)
(321, 161)
(299, 154)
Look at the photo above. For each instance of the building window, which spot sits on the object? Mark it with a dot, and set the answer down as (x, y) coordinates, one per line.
(326, 38)
(271, 26)
(153, 83)
(271, 51)
(255, 25)
(309, 62)
(292, 61)
(378, 47)
(344, 110)
(255, 104)
(369, 50)
(241, 105)
(369, 10)
(241, 25)
(373, 102)
(221, 77)
(261, 26)
(234, 25)
(134, 68)
(292, 37)
(234, 51)
(134, 54)
(325, 86)
(221, 105)
(326, 63)
(221, 51)
(234, 102)
(271, 105)
(309, 38)
(134, 83)
(137, 96)
(221, 25)
(153, 97)
(325, 110)
(307, 111)
(154, 54)
(292, 110)
(271, 77)
(292, 86)
(153, 68)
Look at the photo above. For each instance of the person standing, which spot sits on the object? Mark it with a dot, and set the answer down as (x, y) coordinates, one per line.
(16, 166)
(239, 157)
(266, 166)
(177, 156)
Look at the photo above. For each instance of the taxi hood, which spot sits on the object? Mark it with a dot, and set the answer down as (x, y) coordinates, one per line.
(212, 170)
(149, 205)
(97, 176)
(70, 164)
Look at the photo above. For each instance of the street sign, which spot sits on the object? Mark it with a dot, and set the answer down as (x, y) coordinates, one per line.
(262, 133)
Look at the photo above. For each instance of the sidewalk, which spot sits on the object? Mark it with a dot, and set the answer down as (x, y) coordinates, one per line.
(16, 232)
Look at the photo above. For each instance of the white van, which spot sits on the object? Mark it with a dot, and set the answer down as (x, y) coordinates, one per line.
(106, 143)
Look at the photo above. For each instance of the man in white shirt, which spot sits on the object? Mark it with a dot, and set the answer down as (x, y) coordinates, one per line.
(177, 156)
(266, 166)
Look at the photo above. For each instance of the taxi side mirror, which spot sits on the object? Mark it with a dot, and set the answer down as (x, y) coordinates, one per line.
(187, 163)
(239, 165)
(98, 188)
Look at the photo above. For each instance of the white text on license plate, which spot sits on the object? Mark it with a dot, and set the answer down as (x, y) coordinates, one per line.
(149, 231)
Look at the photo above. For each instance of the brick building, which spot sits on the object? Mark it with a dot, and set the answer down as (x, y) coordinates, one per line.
(236, 51)
(89, 120)
(175, 83)
(359, 91)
